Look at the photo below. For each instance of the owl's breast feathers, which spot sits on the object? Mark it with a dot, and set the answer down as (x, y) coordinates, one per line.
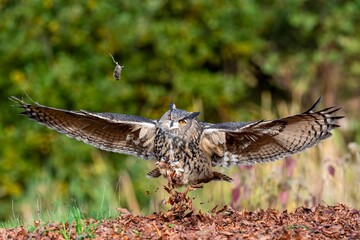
(180, 159)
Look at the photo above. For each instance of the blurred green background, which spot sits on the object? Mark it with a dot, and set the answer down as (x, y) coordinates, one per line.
(232, 60)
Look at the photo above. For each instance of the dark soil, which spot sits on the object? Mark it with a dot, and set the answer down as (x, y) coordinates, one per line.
(321, 222)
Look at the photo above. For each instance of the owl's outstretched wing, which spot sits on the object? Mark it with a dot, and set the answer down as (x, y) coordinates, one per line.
(120, 133)
(262, 141)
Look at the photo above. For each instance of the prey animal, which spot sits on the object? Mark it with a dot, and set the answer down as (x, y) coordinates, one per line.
(184, 148)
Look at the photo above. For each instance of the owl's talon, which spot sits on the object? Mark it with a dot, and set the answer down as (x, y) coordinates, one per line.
(173, 163)
(179, 171)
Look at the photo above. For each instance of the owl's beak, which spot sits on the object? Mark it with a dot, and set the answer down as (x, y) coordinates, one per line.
(173, 125)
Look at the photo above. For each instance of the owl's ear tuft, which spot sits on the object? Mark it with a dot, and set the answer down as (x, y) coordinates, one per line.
(192, 115)
(172, 106)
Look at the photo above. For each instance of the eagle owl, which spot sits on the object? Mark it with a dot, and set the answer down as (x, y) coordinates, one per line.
(184, 148)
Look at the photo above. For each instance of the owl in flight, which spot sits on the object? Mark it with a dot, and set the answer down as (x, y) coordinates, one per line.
(184, 148)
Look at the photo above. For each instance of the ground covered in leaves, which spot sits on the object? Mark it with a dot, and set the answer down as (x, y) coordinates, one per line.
(321, 222)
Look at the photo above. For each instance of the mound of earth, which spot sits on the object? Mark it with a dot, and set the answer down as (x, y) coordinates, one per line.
(320, 222)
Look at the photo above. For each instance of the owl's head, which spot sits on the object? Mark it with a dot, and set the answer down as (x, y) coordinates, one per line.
(179, 122)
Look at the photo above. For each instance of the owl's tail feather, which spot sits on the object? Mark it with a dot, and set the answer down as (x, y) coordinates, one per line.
(155, 173)
(221, 177)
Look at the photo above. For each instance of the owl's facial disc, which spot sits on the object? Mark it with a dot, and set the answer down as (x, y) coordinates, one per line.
(175, 119)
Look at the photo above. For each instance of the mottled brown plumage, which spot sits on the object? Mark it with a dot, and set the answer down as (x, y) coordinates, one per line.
(184, 148)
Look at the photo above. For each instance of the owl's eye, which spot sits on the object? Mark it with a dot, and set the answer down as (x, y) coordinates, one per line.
(182, 121)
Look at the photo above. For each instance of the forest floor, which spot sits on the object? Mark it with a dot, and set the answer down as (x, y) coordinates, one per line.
(181, 222)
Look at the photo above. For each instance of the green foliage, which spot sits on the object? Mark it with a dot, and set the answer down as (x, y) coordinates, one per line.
(224, 58)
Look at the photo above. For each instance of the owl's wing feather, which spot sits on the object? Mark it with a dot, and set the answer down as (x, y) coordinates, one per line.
(262, 141)
(120, 133)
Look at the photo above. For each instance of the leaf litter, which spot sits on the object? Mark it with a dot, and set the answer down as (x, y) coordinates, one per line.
(182, 222)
